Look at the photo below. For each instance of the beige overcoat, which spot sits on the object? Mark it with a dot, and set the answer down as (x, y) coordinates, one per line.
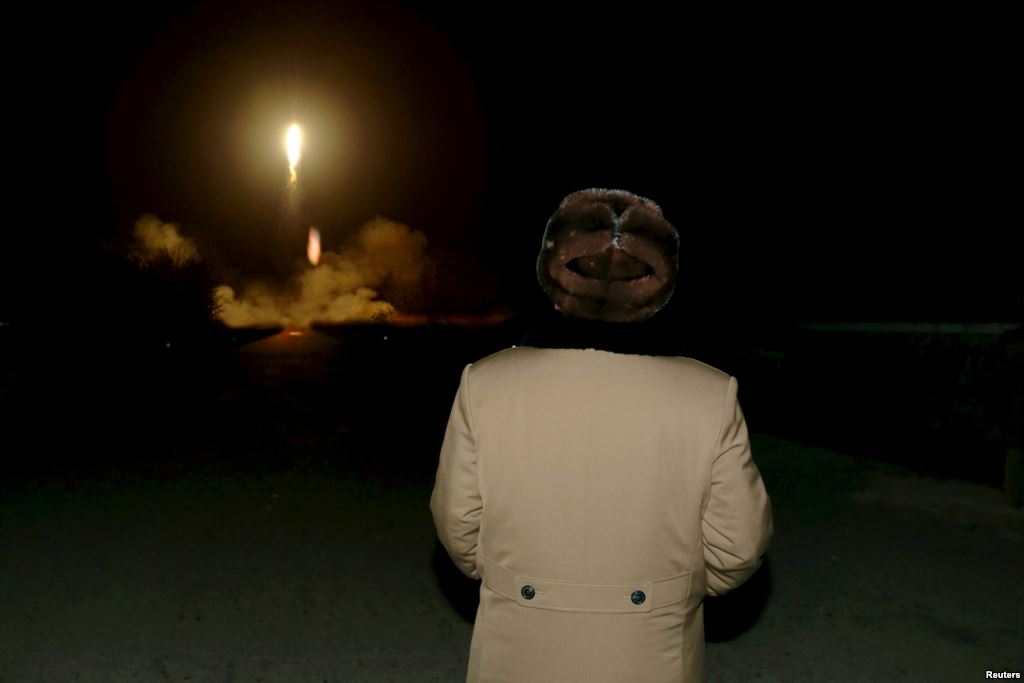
(599, 496)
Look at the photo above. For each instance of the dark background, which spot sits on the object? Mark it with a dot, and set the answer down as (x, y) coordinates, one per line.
(827, 166)
(821, 167)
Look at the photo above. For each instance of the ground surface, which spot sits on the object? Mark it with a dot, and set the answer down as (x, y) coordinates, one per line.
(293, 542)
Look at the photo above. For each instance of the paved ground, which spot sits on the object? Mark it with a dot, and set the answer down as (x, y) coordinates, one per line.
(295, 550)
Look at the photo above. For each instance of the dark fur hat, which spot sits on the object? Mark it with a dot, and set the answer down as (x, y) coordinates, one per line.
(608, 255)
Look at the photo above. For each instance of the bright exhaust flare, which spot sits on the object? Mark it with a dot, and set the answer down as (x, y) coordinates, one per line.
(293, 144)
(313, 246)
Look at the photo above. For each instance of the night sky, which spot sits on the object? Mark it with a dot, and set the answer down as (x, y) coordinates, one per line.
(817, 167)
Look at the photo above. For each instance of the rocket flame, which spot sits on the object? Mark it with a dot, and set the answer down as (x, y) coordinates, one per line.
(293, 143)
(313, 246)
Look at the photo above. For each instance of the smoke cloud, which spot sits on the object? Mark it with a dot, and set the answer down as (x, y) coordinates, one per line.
(385, 264)
(344, 287)
(155, 239)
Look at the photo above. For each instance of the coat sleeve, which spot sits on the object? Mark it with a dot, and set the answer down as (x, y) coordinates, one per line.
(456, 503)
(737, 523)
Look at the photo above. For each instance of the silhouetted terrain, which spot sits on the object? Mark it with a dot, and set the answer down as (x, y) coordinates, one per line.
(278, 529)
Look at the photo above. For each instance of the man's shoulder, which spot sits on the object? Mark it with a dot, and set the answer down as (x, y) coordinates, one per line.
(520, 359)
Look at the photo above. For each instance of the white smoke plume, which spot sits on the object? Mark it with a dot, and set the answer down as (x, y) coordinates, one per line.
(155, 239)
(344, 287)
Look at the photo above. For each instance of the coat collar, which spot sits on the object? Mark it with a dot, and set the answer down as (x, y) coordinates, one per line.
(557, 331)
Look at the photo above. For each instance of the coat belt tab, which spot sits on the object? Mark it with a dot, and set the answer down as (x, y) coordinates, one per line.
(570, 596)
